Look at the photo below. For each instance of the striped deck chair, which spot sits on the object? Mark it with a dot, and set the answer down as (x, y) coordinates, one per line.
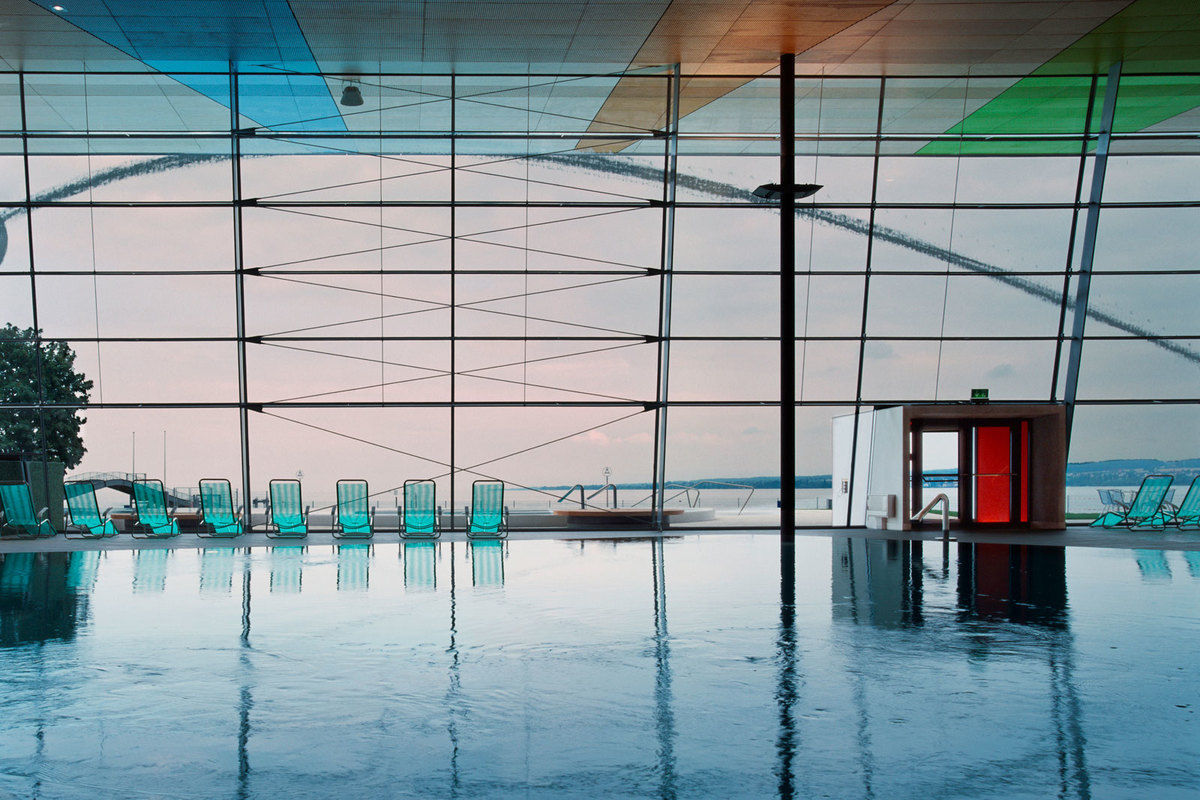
(1146, 510)
(353, 516)
(1187, 515)
(218, 520)
(419, 518)
(83, 511)
(288, 518)
(150, 507)
(487, 518)
(17, 513)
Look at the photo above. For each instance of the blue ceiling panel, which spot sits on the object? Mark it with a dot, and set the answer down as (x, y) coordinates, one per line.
(209, 35)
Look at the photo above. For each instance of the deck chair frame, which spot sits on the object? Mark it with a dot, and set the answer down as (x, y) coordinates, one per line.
(1144, 512)
(435, 526)
(473, 513)
(339, 526)
(274, 531)
(229, 528)
(84, 527)
(1186, 515)
(151, 530)
(39, 524)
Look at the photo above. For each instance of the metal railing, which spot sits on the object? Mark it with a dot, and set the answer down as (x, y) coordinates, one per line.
(940, 497)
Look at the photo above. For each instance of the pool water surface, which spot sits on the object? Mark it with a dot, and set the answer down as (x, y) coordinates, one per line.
(639, 668)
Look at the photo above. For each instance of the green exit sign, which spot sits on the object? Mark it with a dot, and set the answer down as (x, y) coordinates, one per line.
(979, 395)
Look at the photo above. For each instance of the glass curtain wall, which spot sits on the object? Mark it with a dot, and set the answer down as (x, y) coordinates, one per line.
(496, 277)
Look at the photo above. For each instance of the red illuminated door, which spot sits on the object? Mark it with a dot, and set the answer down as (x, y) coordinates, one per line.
(1001, 486)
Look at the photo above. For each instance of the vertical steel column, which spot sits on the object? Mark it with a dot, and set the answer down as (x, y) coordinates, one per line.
(239, 269)
(666, 265)
(1063, 304)
(33, 303)
(453, 287)
(787, 297)
(862, 335)
(1087, 257)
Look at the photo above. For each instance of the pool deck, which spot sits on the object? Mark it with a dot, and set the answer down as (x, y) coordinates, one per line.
(1170, 539)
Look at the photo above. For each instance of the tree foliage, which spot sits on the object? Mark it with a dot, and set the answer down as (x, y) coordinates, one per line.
(21, 428)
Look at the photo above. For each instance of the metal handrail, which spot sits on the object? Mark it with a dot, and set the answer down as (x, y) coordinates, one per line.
(604, 488)
(940, 497)
(579, 486)
(744, 503)
(683, 490)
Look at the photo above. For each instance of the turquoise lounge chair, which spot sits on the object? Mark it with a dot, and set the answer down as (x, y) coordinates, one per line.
(353, 516)
(17, 514)
(288, 518)
(487, 517)
(1187, 516)
(150, 507)
(1145, 511)
(83, 510)
(218, 520)
(419, 519)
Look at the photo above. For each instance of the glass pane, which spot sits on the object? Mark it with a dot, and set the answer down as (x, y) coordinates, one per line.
(340, 170)
(1144, 305)
(343, 372)
(16, 301)
(1120, 369)
(727, 239)
(133, 102)
(347, 305)
(540, 452)
(332, 238)
(195, 443)
(715, 371)
(723, 305)
(160, 372)
(1147, 238)
(1010, 370)
(133, 238)
(137, 305)
(383, 446)
(174, 172)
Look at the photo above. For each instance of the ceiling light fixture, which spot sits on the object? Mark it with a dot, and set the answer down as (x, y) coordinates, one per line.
(57, 8)
(773, 191)
(351, 96)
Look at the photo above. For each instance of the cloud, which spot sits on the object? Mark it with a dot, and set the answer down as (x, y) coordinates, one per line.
(880, 351)
(1004, 370)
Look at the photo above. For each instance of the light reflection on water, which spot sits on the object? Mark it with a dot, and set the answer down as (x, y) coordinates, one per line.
(601, 669)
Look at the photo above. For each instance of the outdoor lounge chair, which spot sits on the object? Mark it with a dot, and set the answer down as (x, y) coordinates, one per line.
(487, 517)
(1146, 509)
(150, 507)
(287, 516)
(83, 510)
(217, 517)
(419, 519)
(353, 516)
(1112, 501)
(17, 514)
(1187, 515)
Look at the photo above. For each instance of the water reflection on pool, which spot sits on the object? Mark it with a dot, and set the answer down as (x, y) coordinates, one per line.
(601, 669)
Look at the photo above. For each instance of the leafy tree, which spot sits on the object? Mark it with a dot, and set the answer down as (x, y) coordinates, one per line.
(20, 429)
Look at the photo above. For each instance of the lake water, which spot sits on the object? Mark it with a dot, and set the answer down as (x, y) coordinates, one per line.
(641, 669)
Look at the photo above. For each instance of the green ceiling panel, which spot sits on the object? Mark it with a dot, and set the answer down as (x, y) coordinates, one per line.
(1149, 36)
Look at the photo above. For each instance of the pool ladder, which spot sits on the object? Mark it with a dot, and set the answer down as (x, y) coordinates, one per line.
(940, 497)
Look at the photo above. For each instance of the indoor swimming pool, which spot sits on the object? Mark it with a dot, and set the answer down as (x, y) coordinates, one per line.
(655, 668)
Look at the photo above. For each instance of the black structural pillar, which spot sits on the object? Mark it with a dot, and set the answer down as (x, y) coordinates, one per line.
(787, 297)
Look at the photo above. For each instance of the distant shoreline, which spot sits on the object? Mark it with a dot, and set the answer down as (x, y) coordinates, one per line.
(1117, 472)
